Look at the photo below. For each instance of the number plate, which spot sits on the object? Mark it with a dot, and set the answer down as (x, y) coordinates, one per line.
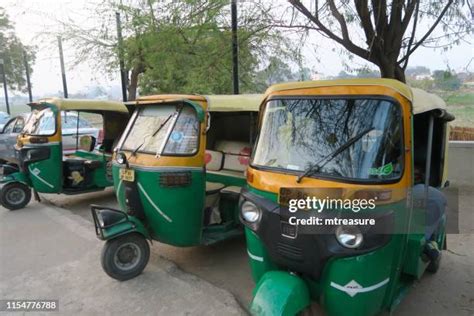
(127, 175)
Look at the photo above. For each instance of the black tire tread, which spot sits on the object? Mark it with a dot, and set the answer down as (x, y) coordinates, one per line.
(108, 252)
(10, 185)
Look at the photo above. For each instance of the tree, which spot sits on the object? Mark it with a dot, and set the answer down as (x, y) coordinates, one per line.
(179, 46)
(12, 52)
(392, 30)
(446, 80)
(417, 71)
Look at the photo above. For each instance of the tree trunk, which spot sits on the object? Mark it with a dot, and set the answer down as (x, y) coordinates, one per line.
(392, 70)
(133, 84)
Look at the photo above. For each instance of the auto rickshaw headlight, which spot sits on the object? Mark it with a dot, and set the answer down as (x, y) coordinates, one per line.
(349, 236)
(121, 158)
(250, 212)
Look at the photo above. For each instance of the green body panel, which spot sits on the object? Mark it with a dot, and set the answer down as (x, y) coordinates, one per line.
(125, 227)
(16, 177)
(260, 262)
(179, 220)
(279, 293)
(225, 180)
(46, 175)
(413, 265)
(376, 284)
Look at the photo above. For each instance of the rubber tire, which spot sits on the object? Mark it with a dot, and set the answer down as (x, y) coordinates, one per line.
(433, 266)
(17, 185)
(108, 252)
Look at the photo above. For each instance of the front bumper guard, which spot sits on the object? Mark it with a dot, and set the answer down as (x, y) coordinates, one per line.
(110, 223)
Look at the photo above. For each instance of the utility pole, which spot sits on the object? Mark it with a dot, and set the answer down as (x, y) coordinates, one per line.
(5, 89)
(63, 71)
(235, 48)
(27, 72)
(123, 74)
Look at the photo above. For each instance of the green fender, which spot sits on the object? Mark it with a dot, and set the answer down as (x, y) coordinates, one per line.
(279, 293)
(16, 177)
(132, 225)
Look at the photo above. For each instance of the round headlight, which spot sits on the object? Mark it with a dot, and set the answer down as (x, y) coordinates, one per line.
(349, 236)
(250, 212)
(121, 159)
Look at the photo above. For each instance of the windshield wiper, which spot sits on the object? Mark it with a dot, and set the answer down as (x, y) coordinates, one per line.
(322, 162)
(134, 152)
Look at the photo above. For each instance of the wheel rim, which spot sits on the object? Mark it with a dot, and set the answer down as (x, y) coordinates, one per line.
(15, 196)
(127, 256)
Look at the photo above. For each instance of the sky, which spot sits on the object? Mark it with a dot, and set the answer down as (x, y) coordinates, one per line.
(33, 17)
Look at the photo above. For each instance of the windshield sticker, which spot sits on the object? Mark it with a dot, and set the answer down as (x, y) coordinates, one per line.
(177, 137)
(385, 170)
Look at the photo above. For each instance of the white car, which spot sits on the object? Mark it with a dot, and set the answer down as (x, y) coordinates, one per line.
(72, 130)
(4, 118)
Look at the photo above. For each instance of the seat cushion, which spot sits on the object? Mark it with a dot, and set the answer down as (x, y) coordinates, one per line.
(213, 187)
(214, 160)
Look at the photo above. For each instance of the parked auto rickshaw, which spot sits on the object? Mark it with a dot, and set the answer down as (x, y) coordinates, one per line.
(57, 150)
(178, 170)
(355, 139)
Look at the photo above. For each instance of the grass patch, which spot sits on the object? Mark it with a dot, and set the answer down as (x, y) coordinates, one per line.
(465, 99)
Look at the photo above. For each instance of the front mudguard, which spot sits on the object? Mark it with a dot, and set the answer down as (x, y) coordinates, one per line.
(16, 177)
(279, 293)
(125, 225)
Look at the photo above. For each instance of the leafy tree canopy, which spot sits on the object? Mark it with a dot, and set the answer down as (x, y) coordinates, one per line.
(11, 52)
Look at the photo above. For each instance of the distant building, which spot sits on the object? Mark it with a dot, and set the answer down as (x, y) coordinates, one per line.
(423, 77)
(317, 76)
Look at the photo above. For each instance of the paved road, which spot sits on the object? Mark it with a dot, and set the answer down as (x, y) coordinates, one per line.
(450, 291)
(51, 253)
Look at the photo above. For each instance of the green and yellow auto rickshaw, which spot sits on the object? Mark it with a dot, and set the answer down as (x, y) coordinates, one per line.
(65, 147)
(178, 170)
(325, 147)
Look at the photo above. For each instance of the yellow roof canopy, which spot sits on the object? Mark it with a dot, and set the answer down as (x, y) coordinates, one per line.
(216, 103)
(422, 101)
(82, 105)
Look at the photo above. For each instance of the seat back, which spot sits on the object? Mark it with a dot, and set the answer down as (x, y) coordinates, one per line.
(236, 155)
(87, 143)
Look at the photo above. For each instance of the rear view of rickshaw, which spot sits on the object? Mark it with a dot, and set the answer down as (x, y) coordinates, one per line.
(342, 205)
(65, 147)
(178, 170)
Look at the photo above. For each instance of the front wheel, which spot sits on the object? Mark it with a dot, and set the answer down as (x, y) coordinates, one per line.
(15, 195)
(125, 257)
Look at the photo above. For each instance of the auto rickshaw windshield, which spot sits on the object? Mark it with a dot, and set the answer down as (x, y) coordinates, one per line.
(163, 130)
(40, 122)
(354, 138)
